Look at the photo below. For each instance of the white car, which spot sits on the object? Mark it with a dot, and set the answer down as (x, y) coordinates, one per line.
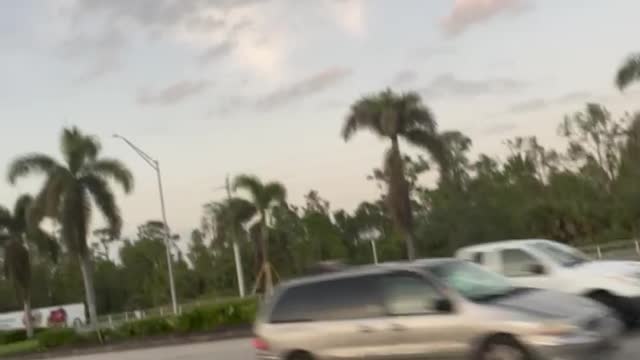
(551, 265)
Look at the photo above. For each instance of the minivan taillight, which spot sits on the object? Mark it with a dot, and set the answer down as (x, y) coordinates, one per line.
(260, 344)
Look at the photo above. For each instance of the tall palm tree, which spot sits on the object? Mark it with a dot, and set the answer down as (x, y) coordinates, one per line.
(17, 235)
(264, 196)
(68, 191)
(397, 116)
(629, 72)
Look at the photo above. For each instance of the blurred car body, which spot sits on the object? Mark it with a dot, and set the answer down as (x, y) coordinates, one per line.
(550, 265)
(432, 309)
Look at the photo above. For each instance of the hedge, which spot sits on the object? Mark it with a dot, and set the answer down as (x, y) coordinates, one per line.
(14, 336)
(211, 317)
(203, 318)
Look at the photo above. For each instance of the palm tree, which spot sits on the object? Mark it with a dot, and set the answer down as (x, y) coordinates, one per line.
(264, 196)
(397, 116)
(17, 234)
(629, 72)
(67, 193)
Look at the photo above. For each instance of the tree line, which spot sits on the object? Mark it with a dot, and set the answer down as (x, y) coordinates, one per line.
(585, 193)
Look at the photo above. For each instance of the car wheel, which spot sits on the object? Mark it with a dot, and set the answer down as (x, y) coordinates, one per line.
(300, 355)
(617, 305)
(503, 348)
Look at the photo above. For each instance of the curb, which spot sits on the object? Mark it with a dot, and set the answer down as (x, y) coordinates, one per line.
(148, 343)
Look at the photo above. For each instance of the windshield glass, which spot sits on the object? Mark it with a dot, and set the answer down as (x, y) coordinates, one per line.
(561, 254)
(472, 281)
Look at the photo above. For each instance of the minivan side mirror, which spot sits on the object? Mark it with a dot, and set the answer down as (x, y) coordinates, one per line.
(444, 305)
(537, 269)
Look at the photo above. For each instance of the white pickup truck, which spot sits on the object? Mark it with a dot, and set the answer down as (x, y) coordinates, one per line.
(551, 265)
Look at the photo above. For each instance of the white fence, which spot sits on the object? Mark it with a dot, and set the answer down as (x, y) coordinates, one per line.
(618, 250)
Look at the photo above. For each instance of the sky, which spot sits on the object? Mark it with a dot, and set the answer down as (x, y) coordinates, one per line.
(213, 88)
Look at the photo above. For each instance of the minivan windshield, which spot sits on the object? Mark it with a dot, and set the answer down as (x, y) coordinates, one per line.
(562, 255)
(473, 281)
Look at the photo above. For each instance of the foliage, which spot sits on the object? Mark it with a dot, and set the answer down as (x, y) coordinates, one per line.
(13, 336)
(53, 338)
(210, 317)
(146, 327)
(22, 347)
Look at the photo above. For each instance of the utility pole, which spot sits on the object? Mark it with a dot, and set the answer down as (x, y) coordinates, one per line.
(155, 164)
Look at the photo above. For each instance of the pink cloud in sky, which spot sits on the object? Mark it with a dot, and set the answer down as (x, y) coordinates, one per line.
(467, 13)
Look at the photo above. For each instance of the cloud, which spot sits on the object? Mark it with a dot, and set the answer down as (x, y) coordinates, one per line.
(213, 28)
(499, 128)
(304, 88)
(447, 85)
(467, 13)
(428, 52)
(349, 14)
(404, 77)
(173, 94)
(537, 104)
(216, 52)
(100, 51)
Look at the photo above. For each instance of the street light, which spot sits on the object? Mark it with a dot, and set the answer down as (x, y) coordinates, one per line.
(236, 248)
(167, 241)
(371, 235)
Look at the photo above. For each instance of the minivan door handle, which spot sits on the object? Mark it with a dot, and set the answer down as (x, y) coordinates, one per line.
(365, 329)
(398, 327)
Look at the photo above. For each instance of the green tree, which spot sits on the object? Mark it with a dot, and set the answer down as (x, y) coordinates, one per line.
(17, 235)
(264, 196)
(68, 191)
(398, 116)
(629, 72)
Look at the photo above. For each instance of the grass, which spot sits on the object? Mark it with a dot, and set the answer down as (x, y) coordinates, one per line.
(19, 348)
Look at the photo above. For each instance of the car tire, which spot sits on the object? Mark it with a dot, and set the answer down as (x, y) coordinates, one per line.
(625, 315)
(300, 355)
(502, 347)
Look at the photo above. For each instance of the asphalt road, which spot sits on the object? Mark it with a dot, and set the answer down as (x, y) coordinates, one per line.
(240, 349)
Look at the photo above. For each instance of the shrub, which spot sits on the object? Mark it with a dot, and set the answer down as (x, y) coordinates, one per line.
(14, 336)
(59, 337)
(146, 327)
(210, 317)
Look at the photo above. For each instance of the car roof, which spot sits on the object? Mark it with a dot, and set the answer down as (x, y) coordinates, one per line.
(333, 275)
(497, 245)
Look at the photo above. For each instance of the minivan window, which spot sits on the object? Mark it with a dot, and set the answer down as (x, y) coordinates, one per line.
(516, 262)
(472, 281)
(478, 258)
(408, 294)
(560, 254)
(336, 299)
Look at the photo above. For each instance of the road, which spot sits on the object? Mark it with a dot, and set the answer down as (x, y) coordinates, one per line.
(240, 349)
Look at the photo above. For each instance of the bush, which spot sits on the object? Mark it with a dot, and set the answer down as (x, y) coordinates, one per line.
(53, 338)
(146, 327)
(210, 317)
(14, 336)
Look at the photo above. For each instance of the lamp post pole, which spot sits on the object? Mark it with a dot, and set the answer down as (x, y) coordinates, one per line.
(155, 164)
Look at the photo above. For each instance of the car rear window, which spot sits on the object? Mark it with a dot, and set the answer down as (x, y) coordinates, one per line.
(336, 299)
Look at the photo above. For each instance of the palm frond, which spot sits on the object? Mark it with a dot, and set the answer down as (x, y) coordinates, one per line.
(249, 183)
(275, 192)
(432, 143)
(78, 148)
(21, 212)
(241, 210)
(6, 218)
(105, 201)
(628, 72)
(17, 266)
(112, 169)
(364, 114)
(32, 163)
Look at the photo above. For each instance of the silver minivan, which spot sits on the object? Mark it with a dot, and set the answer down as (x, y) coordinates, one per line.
(431, 309)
